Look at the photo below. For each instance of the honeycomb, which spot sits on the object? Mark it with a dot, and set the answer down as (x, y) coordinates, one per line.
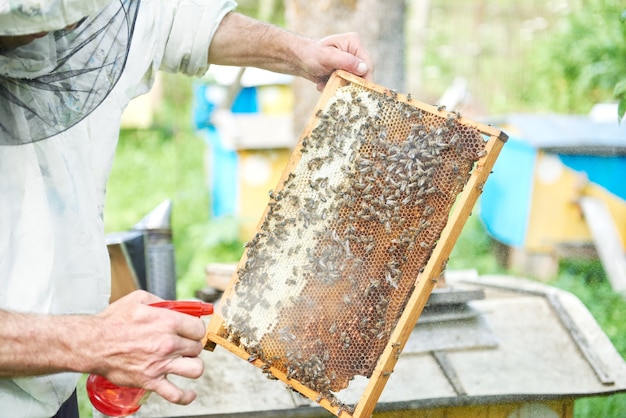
(346, 232)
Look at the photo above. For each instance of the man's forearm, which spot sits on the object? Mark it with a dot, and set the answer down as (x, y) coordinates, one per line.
(245, 42)
(37, 344)
(130, 343)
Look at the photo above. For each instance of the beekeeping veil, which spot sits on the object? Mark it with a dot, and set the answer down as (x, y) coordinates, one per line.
(53, 82)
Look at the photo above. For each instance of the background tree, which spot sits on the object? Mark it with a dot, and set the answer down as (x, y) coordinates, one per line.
(582, 61)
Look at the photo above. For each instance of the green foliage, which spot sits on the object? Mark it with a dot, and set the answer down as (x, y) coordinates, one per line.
(474, 250)
(580, 63)
(620, 94)
(84, 405)
(152, 166)
(272, 11)
(587, 280)
(168, 163)
(620, 88)
(215, 241)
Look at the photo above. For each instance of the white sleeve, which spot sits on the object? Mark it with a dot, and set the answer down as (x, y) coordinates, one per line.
(194, 23)
(172, 36)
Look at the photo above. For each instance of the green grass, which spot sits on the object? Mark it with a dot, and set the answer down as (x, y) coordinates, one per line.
(152, 166)
(587, 280)
(168, 162)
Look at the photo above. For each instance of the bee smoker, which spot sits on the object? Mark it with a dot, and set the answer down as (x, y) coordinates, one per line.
(160, 265)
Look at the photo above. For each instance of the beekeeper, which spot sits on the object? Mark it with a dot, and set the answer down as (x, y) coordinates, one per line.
(68, 68)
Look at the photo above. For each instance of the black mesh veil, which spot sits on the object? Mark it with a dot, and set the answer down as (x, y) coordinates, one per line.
(86, 63)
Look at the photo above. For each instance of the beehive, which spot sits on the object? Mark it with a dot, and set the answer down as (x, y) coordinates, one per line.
(351, 243)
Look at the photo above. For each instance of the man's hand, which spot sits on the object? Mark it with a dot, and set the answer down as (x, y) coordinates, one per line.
(337, 52)
(139, 345)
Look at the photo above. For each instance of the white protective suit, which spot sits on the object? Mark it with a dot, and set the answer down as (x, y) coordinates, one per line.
(53, 258)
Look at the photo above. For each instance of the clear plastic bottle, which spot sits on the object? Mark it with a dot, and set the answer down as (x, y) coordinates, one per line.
(119, 401)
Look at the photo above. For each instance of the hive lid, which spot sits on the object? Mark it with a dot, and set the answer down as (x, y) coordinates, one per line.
(567, 134)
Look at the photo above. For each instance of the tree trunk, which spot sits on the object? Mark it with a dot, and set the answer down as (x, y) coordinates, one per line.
(380, 25)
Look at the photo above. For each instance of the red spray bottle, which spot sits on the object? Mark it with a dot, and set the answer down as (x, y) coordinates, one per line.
(119, 401)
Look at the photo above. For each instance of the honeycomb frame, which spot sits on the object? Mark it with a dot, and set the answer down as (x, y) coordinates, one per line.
(352, 241)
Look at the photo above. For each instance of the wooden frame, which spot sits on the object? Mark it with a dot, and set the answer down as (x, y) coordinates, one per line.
(425, 281)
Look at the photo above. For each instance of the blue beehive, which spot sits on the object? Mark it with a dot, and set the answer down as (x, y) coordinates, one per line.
(531, 202)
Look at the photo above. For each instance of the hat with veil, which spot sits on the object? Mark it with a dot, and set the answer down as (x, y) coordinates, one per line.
(53, 82)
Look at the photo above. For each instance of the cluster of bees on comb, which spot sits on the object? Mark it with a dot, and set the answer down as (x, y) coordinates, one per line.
(345, 236)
